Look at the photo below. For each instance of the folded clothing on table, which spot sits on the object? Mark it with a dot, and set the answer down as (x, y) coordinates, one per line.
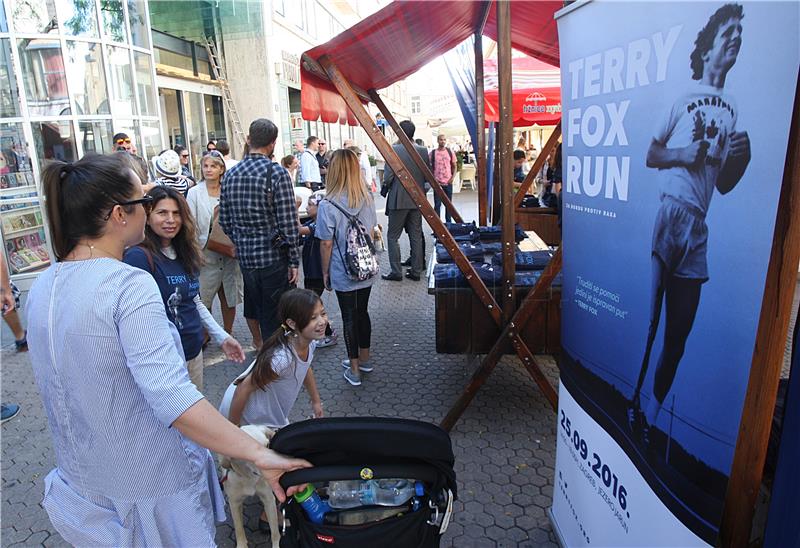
(474, 252)
(527, 260)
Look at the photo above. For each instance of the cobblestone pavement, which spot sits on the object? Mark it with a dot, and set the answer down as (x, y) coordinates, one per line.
(504, 443)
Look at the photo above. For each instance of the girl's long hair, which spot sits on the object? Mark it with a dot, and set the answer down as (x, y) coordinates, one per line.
(185, 241)
(344, 178)
(297, 305)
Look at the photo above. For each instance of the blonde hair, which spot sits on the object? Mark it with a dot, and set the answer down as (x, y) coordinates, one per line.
(344, 178)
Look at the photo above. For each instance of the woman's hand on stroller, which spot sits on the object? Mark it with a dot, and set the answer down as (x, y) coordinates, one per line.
(317, 408)
(273, 465)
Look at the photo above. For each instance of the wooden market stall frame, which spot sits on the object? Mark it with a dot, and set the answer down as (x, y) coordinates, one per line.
(751, 447)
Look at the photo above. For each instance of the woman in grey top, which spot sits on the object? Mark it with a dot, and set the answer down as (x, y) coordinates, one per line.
(129, 428)
(344, 187)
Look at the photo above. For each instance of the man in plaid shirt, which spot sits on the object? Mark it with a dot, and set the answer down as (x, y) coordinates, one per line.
(257, 211)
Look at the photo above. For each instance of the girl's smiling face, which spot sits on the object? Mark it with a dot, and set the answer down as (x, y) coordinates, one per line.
(315, 329)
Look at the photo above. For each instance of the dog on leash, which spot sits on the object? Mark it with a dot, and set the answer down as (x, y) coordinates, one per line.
(377, 237)
(245, 480)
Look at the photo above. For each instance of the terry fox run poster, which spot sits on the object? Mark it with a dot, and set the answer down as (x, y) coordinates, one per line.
(676, 120)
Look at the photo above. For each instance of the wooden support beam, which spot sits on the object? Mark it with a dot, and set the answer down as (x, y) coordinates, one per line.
(511, 334)
(506, 146)
(480, 145)
(421, 164)
(773, 324)
(314, 67)
(413, 189)
(537, 165)
(484, 16)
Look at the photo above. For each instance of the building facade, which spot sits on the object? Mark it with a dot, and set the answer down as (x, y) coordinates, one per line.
(75, 72)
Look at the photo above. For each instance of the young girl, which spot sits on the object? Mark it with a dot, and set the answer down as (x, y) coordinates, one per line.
(265, 393)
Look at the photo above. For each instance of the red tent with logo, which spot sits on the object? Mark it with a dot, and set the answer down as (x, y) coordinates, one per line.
(398, 40)
(537, 92)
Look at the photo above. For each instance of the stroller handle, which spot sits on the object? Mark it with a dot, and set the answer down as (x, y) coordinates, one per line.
(320, 474)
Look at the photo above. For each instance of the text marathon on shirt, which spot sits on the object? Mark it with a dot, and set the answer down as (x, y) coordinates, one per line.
(602, 124)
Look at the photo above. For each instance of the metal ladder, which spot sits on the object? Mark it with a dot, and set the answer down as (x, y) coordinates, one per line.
(218, 70)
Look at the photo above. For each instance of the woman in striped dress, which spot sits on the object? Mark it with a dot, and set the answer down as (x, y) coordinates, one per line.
(129, 429)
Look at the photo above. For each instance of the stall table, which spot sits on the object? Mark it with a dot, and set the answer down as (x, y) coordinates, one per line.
(463, 325)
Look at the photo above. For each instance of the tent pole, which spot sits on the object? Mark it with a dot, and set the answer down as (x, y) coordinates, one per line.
(537, 165)
(506, 147)
(765, 371)
(480, 106)
(413, 189)
(480, 133)
(532, 301)
(421, 164)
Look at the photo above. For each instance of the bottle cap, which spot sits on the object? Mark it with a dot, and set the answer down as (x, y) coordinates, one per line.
(304, 495)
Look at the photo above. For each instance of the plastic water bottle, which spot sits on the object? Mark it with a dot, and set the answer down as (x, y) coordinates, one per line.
(386, 492)
(315, 507)
(419, 492)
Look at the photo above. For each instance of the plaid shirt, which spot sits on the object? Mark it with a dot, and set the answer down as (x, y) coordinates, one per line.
(247, 212)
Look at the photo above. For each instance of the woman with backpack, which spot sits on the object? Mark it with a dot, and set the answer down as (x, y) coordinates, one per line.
(345, 220)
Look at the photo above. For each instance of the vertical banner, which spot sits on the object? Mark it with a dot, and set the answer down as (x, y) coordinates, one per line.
(676, 121)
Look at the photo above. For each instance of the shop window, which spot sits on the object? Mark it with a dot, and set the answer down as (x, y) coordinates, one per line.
(113, 17)
(53, 141)
(137, 18)
(34, 16)
(121, 82)
(144, 84)
(79, 17)
(44, 77)
(3, 21)
(9, 92)
(215, 120)
(195, 112)
(87, 78)
(151, 140)
(95, 136)
(24, 236)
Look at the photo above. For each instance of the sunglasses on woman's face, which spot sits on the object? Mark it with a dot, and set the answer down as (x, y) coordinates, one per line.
(146, 201)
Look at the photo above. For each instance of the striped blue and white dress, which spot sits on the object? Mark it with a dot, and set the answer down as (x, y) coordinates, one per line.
(112, 377)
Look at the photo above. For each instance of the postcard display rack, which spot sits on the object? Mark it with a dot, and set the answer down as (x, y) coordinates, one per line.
(23, 231)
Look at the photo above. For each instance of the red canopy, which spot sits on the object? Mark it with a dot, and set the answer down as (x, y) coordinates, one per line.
(398, 40)
(537, 92)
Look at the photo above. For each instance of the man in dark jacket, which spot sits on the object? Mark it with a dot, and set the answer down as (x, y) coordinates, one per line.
(403, 212)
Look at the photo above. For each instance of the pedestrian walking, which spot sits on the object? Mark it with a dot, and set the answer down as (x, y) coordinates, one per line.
(403, 212)
(129, 428)
(220, 274)
(309, 174)
(257, 211)
(443, 162)
(9, 299)
(312, 262)
(170, 253)
(347, 196)
(290, 163)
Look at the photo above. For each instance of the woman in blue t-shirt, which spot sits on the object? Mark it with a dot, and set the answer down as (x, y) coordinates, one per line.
(171, 254)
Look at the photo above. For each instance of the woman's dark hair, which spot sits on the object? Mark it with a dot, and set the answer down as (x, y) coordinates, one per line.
(211, 142)
(79, 197)
(185, 241)
(178, 149)
(297, 305)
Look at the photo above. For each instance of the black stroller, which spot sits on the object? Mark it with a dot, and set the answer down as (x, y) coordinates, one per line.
(357, 448)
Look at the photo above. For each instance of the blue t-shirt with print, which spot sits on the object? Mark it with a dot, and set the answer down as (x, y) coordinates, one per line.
(178, 290)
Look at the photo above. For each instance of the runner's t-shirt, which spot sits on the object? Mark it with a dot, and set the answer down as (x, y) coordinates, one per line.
(704, 113)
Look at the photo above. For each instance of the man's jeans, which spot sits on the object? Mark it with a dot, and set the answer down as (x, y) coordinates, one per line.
(411, 221)
(437, 202)
(263, 288)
